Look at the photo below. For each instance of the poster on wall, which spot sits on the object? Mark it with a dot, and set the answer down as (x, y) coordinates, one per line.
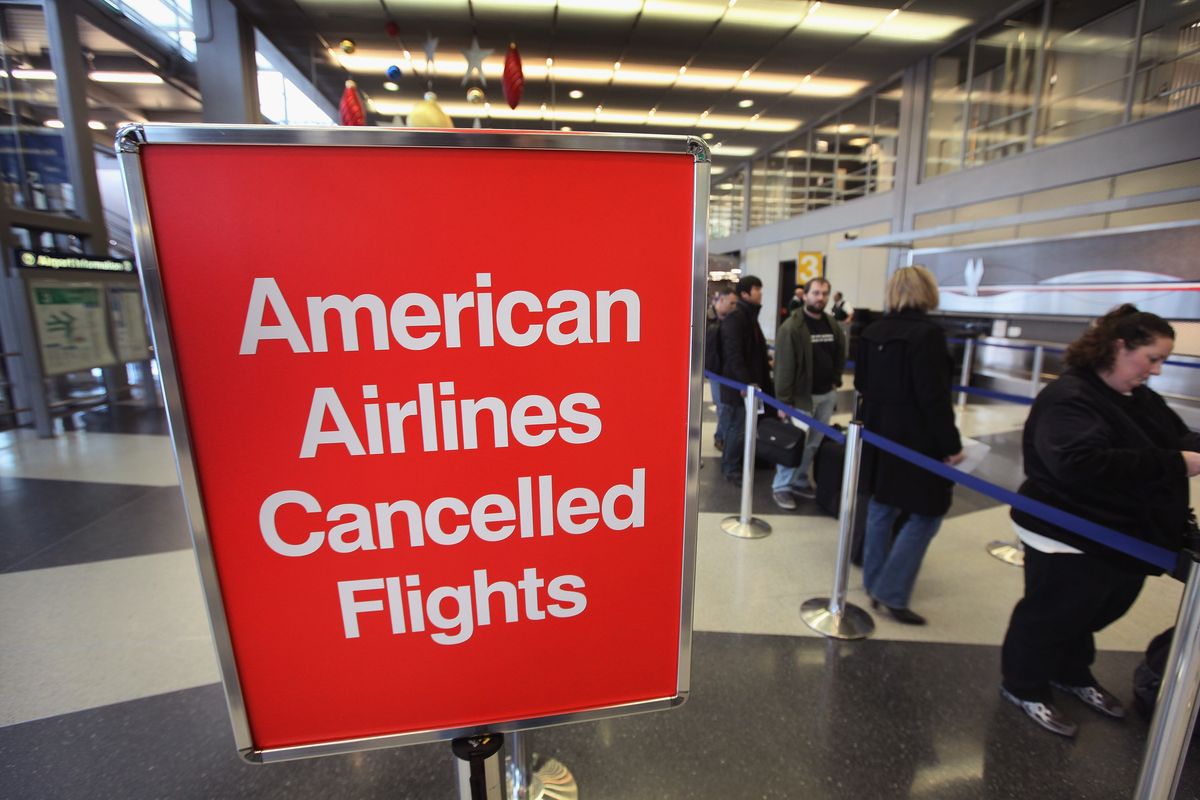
(1155, 270)
(809, 265)
(71, 326)
(128, 323)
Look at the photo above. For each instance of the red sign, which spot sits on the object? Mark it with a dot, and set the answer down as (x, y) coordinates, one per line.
(437, 402)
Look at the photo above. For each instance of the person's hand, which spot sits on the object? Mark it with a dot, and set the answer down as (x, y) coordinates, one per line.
(955, 459)
(1192, 460)
(783, 415)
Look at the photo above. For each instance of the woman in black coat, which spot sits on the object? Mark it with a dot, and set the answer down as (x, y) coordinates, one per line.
(1103, 446)
(903, 372)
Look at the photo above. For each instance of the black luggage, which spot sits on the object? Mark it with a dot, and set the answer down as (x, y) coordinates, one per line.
(827, 473)
(779, 442)
(1147, 677)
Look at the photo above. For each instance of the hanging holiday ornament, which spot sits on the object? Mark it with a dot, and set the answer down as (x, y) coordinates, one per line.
(350, 109)
(431, 44)
(428, 114)
(347, 46)
(394, 73)
(393, 30)
(514, 76)
(475, 57)
(475, 95)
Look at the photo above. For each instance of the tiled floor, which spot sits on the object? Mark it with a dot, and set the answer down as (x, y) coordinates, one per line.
(108, 680)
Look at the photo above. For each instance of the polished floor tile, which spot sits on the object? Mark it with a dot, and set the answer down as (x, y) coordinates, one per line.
(768, 717)
(87, 635)
(86, 456)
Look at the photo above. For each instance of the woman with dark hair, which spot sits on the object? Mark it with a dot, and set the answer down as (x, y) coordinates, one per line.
(904, 375)
(1102, 445)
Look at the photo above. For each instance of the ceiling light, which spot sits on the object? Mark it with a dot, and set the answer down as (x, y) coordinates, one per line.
(706, 136)
(34, 74)
(54, 123)
(745, 103)
(745, 74)
(575, 94)
(599, 109)
(391, 87)
(407, 56)
(653, 111)
(859, 141)
(705, 113)
(566, 128)
(732, 3)
(97, 125)
(549, 62)
(845, 127)
(104, 76)
(616, 66)
(893, 15)
(755, 117)
(807, 78)
(683, 69)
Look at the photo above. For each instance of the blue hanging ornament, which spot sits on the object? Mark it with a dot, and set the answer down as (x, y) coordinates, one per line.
(393, 73)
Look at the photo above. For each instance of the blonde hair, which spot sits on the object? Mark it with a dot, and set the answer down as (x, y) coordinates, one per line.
(912, 287)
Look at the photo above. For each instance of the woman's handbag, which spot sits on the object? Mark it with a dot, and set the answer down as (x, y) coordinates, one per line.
(779, 442)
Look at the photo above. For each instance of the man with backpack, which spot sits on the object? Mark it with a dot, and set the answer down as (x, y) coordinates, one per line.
(722, 303)
(744, 359)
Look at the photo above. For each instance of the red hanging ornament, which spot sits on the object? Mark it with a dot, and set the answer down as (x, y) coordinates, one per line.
(351, 109)
(393, 30)
(514, 77)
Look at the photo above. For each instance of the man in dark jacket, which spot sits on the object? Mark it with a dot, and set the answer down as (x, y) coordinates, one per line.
(722, 303)
(810, 354)
(744, 359)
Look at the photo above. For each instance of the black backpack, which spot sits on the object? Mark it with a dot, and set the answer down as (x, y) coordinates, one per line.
(713, 362)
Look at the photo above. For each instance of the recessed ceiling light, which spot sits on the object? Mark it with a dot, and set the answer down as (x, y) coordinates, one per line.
(549, 62)
(599, 109)
(565, 128)
(54, 123)
(616, 66)
(706, 136)
(97, 125)
(575, 94)
(683, 69)
(391, 87)
(745, 103)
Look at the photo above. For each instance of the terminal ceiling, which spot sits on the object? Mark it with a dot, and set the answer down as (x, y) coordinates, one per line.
(748, 72)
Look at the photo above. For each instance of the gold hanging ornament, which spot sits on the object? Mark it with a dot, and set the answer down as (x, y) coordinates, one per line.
(427, 113)
(347, 46)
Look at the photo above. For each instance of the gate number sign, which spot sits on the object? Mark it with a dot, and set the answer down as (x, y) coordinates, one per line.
(435, 404)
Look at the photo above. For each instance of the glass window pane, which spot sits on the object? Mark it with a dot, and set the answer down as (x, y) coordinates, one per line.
(725, 204)
(1085, 83)
(798, 174)
(33, 156)
(854, 138)
(822, 161)
(758, 193)
(1168, 76)
(885, 139)
(944, 129)
(1002, 87)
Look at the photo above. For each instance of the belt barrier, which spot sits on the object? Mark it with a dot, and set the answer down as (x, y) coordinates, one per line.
(1124, 543)
(1005, 396)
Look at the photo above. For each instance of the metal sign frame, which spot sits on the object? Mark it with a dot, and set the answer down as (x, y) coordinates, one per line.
(131, 139)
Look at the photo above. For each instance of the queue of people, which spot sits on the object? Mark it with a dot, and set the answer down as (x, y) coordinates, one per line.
(1098, 443)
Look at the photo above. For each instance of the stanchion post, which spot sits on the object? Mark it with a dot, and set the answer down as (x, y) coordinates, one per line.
(1035, 380)
(518, 766)
(745, 525)
(833, 616)
(479, 774)
(1175, 711)
(964, 378)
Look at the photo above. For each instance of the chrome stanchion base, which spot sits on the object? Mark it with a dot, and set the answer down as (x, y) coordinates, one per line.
(754, 529)
(854, 622)
(548, 780)
(1007, 552)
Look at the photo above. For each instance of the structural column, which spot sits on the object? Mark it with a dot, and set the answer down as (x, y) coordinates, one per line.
(225, 64)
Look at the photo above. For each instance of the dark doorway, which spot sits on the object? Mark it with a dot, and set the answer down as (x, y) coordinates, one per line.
(787, 288)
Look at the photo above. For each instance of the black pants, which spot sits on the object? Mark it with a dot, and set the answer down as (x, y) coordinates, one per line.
(1067, 599)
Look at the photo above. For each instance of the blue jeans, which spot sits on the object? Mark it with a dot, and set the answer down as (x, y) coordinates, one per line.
(797, 477)
(735, 441)
(889, 571)
(723, 412)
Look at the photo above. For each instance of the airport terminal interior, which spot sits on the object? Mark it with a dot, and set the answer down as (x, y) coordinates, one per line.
(1039, 158)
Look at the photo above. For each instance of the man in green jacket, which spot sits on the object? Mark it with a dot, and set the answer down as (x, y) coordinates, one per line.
(810, 355)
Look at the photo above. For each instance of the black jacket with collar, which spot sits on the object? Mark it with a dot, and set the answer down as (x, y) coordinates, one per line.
(1110, 458)
(744, 351)
(904, 374)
